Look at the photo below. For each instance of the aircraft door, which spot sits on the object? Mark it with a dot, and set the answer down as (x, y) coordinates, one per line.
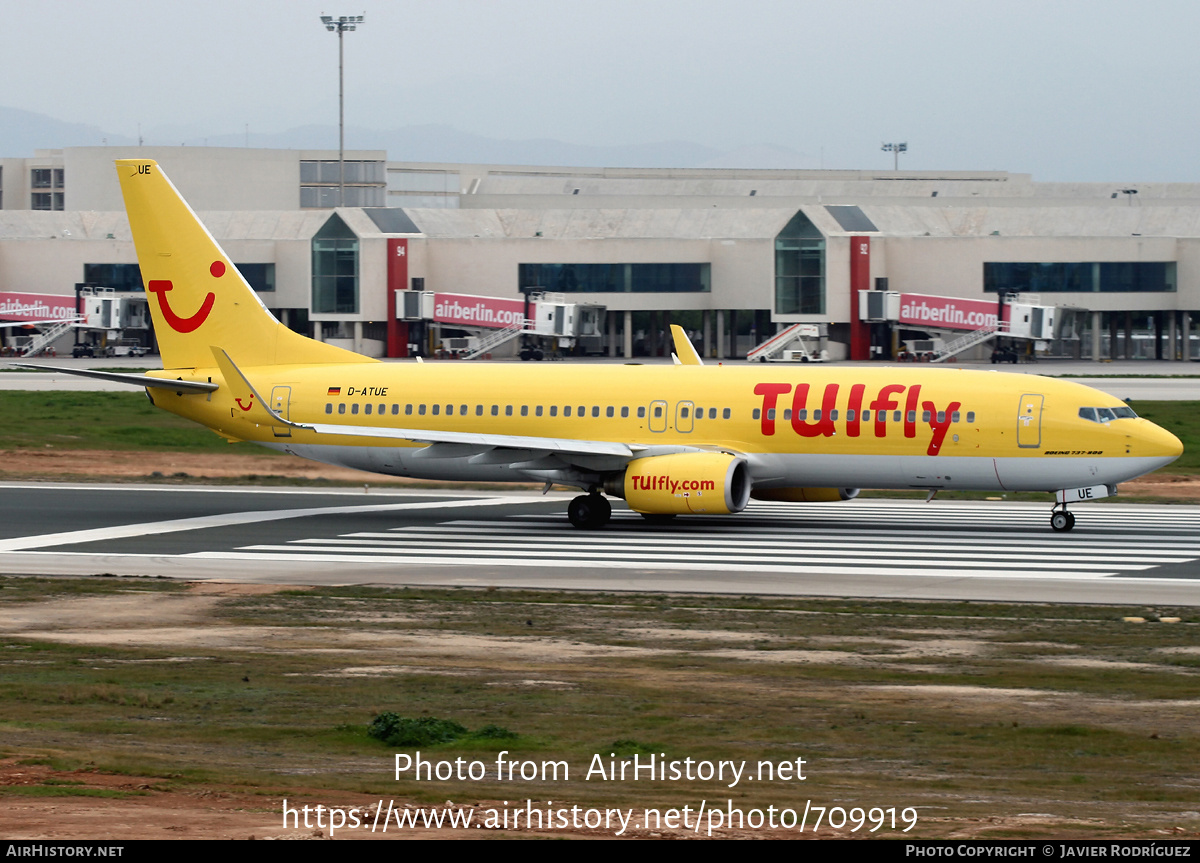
(658, 416)
(684, 411)
(1029, 421)
(281, 398)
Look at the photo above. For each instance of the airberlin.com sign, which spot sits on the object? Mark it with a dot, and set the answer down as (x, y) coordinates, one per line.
(467, 311)
(35, 307)
(924, 310)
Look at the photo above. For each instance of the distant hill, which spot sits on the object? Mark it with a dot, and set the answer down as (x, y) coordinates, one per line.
(22, 132)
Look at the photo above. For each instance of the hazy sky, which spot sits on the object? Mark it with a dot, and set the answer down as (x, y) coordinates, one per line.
(1102, 90)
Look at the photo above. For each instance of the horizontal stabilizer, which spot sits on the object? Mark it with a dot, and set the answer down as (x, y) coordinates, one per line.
(176, 385)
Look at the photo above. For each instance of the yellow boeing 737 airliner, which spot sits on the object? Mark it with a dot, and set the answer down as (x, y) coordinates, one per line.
(670, 440)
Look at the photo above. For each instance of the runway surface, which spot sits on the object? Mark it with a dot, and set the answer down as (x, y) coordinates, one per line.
(995, 550)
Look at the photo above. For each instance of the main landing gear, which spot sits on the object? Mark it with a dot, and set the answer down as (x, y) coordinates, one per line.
(1060, 519)
(589, 511)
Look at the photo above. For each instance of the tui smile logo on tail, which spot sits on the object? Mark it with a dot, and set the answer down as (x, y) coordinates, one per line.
(159, 288)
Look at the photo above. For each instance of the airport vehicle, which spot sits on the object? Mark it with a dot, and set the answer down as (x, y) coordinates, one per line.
(671, 440)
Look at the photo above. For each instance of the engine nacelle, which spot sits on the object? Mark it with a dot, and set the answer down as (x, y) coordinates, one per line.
(704, 483)
(805, 495)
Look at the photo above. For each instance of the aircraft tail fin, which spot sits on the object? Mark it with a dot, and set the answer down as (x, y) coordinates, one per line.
(685, 352)
(196, 295)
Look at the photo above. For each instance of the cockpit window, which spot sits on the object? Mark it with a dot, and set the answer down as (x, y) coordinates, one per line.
(1103, 415)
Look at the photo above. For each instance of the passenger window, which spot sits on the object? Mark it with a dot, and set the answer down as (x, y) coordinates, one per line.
(816, 414)
(712, 413)
(329, 408)
(608, 412)
(449, 410)
(495, 410)
(725, 414)
(833, 415)
(462, 411)
(770, 414)
(866, 416)
(478, 410)
(658, 411)
(508, 410)
(553, 410)
(421, 410)
(537, 411)
(367, 410)
(925, 416)
(396, 409)
(435, 409)
(757, 413)
(624, 412)
(954, 417)
(912, 416)
(802, 414)
(641, 413)
(354, 408)
(850, 416)
(787, 413)
(524, 410)
(582, 412)
(342, 408)
(896, 417)
(595, 410)
(941, 417)
(408, 410)
(970, 416)
(566, 410)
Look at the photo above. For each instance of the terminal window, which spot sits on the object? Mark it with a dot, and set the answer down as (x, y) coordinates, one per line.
(616, 278)
(1080, 277)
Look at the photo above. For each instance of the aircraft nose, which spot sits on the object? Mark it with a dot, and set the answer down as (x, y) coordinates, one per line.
(1156, 442)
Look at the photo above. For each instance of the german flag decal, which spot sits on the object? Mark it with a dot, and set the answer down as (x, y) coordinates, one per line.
(334, 391)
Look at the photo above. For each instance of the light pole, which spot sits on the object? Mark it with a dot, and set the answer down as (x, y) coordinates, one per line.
(895, 150)
(340, 26)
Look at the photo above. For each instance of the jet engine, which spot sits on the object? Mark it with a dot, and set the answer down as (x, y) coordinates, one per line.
(708, 483)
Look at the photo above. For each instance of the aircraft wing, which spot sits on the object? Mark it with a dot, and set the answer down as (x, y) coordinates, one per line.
(134, 380)
(481, 448)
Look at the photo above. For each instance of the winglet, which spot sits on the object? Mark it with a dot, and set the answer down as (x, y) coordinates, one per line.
(251, 406)
(685, 353)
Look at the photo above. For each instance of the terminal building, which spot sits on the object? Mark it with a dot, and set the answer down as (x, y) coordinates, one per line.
(732, 255)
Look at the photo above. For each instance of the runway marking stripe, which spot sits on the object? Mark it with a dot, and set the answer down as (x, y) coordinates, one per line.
(526, 554)
(574, 563)
(756, 540)
(124, 531)
(730, 548)
(1074, 538)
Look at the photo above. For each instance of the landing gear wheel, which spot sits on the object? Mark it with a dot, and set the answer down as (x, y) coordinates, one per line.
(589, 511)
(658, 517)
(1062, 520)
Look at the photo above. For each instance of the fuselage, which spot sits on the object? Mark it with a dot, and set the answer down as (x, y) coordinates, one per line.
(892, 427)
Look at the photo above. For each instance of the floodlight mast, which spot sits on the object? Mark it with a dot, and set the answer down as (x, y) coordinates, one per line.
(895, 150)
(340, 26)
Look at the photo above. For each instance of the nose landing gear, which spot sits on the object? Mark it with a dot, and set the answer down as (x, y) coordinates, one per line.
(1061, 519)
(589, 511)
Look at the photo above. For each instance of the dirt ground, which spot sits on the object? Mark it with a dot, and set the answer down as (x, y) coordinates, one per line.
(152, 807)
(61, 464)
